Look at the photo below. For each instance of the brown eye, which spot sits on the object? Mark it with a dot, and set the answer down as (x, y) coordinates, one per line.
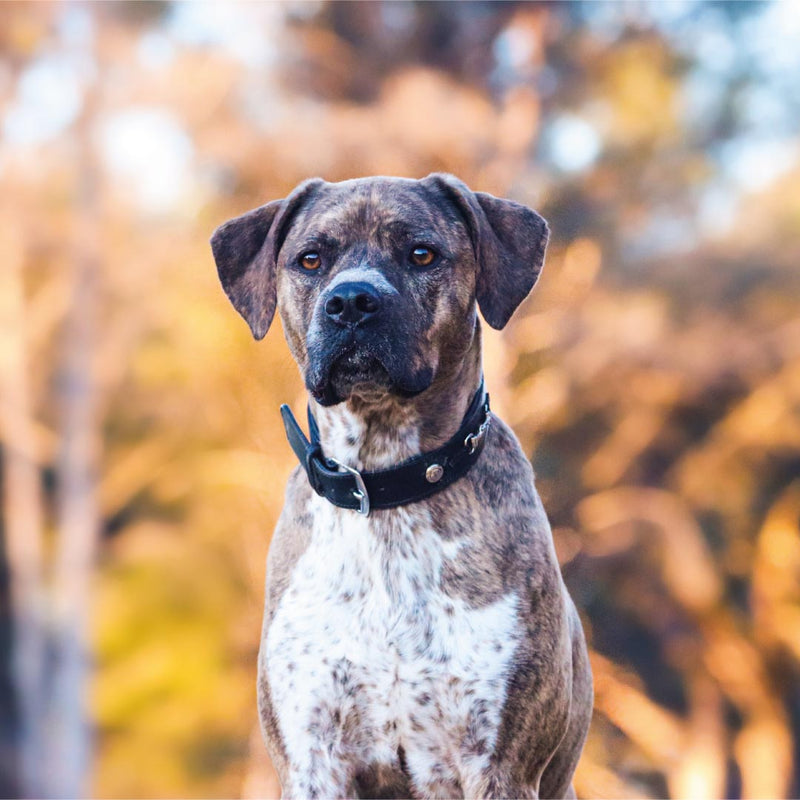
(310, 260)
(422, 256)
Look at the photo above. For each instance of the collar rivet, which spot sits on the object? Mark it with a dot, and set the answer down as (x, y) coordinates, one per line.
(434, 473)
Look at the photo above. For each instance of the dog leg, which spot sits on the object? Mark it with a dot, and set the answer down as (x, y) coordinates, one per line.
(501, 785)
(322, 778)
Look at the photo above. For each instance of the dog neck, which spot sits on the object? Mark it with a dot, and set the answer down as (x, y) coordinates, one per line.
(370, 432)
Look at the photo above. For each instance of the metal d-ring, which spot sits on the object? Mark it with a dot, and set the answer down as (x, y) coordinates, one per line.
(475, 440)
(361, 489)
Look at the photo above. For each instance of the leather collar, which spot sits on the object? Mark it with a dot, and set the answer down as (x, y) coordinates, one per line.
(412, 480)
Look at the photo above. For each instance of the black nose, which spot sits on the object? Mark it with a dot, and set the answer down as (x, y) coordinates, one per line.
(351, 303)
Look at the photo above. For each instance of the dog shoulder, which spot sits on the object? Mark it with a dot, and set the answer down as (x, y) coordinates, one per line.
(290, 539)
(505, 467)
(498, 529)
(504, 486)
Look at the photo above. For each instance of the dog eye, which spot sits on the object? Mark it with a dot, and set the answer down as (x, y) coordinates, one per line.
(310, 260)
(422, 256)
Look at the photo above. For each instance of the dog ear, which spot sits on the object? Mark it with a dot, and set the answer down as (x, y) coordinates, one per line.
(246, 252)
(509, 240)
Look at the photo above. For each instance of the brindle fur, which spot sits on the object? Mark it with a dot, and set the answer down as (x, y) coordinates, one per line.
(426, 345)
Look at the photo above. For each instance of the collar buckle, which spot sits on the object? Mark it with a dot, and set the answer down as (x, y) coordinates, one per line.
(360, 492)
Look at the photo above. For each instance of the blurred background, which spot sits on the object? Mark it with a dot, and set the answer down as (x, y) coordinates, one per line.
(653, 376)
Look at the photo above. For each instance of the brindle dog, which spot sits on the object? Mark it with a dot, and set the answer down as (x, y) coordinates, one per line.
(428, 650)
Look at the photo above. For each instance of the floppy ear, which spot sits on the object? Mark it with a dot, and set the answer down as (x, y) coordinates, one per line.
(509, 240)
(246, 251)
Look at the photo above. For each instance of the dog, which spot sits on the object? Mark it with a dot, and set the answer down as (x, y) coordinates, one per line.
(418, 639)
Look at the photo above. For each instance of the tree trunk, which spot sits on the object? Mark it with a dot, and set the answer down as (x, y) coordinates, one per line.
(78, 521)
(22, 515)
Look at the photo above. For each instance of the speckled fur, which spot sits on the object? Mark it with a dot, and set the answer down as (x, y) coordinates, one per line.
(429, 650)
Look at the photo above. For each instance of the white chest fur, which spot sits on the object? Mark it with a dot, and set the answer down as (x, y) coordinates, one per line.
(366, 654)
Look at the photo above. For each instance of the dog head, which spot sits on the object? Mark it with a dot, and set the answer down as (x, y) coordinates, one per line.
(376, 280)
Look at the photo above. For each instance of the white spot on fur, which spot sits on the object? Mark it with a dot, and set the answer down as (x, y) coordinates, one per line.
(452, 547)
(405, 664)
(364, 275)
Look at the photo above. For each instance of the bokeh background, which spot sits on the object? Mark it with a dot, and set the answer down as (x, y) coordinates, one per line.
(653, 376)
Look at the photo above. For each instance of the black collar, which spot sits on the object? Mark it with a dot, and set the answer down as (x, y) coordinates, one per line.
(412, 480)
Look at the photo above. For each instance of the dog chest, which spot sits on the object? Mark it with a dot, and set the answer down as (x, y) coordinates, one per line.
(366, 653)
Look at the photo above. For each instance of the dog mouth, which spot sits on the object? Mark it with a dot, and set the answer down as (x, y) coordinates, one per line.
(358, 372)
(363, 364)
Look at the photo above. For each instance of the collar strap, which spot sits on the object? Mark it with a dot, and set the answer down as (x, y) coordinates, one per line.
(412, 480)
